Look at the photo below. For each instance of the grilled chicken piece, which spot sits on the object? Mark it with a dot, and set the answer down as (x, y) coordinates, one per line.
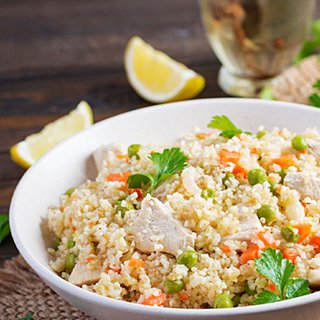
(155, 227)
(107, 152)
(248, 228)
(306, 185)
(314, 278)
(81, 275)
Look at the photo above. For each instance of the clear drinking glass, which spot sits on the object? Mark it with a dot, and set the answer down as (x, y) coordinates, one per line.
(254, 39)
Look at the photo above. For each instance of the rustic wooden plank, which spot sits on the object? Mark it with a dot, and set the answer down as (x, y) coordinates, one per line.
(50, 34)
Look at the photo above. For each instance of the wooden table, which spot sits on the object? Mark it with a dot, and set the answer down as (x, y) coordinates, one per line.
(54, 53)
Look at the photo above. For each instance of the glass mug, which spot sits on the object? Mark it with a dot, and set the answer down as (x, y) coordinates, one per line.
(254, 39)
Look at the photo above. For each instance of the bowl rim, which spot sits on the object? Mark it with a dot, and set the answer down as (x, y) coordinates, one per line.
(75, 291)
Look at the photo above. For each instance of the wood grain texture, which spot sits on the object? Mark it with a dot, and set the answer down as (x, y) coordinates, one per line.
(55, 53)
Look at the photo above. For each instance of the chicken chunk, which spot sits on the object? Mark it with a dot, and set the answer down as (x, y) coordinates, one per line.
(81, 275)
(307, 186)
(314, 278)
(154, 229)
(248, 228)
(106, 152)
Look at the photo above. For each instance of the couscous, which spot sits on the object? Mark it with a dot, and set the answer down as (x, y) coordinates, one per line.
(221, 218)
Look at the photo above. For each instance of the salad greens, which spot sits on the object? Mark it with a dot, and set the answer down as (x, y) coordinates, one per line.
(166, 164)
(4, 227)
(225, 125)
(272, 265)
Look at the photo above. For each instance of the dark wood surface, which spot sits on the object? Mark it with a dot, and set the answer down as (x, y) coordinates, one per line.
(53, 53)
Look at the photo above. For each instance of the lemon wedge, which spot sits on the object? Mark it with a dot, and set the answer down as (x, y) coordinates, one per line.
(27, 152)
(158, 78)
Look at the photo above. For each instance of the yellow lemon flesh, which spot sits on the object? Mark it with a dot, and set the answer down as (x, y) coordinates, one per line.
(158, 78)
(28, 151)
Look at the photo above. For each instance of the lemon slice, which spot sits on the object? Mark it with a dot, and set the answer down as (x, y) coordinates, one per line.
(28, 151)
(158, 78)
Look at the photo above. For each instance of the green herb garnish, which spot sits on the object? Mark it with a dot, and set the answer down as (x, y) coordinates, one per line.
(315, 100)
(166, 164)
(225, 125)
(266, 93)
(4, 227)
(272, 265)
(310, 45)
(27, 317)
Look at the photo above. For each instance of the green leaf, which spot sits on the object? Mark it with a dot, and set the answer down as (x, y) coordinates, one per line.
(315, 100)
(140, 180)
(266, 297)
(166, 164)
(4, 227)
(317, 84)
(27, 317)
(297, 288)
(315, 29)
(224, 124)
(309, 47)
(272, 265)
(266, 93)
(307, 50)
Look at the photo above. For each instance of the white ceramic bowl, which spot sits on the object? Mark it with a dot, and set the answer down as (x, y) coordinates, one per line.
(66, 165)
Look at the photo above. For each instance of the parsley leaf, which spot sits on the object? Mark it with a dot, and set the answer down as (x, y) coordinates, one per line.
(297, 288)
(4, 227)
(272, 265)
(315, 100)
(225, 125)
(317, 84)
(266, 297)
(166, 164)
(310, 45)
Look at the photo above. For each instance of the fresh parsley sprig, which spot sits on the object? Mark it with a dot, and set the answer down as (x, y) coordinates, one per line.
(226, 126)
(4, 227)
(310, 45)
(272, 265)
(315, 98)
(166, 164)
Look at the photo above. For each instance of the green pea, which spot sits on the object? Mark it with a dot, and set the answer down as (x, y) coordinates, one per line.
(173, 286)
(261, 134)
(123, 208)
(133, 150)
(188, 257)
(227, 178)
(223, 301)
(70, 262)
(208, 193)
(288, 234)
(267, 212)
(69, 192)
(56, 244)
(299, 143)
(71, 243)
(256, 176)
